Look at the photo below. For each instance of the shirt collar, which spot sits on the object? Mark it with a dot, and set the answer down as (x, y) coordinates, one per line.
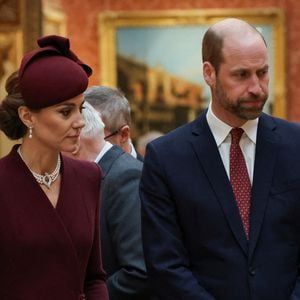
(105, 148)
(133, 152)
(220, 130)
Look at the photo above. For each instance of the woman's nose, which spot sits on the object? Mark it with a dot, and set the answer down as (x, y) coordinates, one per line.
(79, 122)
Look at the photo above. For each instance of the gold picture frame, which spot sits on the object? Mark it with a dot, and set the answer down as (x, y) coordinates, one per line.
(54, 21)
(127, 41)
(11, 51)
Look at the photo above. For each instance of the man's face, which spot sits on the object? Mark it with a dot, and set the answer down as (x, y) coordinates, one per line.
(240, 88)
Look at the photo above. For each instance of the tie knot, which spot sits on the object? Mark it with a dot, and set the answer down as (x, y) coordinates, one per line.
(236, 134)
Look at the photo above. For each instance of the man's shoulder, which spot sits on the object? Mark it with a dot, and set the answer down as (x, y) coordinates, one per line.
(128, 161)
(279, 124)
(116, 158)
(177, 136)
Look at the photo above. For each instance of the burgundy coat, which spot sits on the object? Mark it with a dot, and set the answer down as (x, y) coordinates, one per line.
(46, 252)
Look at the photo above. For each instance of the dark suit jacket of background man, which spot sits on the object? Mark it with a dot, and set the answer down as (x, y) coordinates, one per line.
(206, 256)
(120, 225)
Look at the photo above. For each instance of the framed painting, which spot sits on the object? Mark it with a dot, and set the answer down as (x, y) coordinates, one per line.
(155, 59)
(11, 51)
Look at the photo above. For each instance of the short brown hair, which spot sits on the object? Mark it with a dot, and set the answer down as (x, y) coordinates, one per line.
(212, 46)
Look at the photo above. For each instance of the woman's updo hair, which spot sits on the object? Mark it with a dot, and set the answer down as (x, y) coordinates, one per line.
(10, 123)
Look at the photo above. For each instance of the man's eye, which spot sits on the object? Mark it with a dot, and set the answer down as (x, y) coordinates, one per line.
(263, 73)
(241, 74)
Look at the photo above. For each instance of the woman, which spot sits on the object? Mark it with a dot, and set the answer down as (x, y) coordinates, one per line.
(49, 204)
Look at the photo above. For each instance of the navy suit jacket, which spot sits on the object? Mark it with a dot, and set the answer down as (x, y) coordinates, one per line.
(194, 244)
(121, 241)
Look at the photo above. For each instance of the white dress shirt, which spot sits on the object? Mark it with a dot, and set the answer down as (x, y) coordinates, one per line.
(221, 133)
(133, 151)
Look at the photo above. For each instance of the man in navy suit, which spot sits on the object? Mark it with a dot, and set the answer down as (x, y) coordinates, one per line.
(195, 243)
(121, 242)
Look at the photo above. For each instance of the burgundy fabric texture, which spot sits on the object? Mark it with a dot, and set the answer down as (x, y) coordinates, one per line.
(52, 74)
(239, 178)
(50, 253)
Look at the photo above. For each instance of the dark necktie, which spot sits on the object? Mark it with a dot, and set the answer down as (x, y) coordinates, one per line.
(239, 178)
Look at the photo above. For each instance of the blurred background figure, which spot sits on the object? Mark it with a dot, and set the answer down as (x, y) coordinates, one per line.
(115, 112)
(121, 243)
(144, 139)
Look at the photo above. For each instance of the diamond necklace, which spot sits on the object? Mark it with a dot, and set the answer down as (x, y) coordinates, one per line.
(46, 179)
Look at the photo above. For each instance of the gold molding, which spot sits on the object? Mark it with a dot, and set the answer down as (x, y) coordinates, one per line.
(54, 21)
(13, 56)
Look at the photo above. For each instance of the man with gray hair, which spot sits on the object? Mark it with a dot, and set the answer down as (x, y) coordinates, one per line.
(116, 115)
(121, 243)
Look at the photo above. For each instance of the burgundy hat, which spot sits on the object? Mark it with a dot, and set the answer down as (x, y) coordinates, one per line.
(52, 73)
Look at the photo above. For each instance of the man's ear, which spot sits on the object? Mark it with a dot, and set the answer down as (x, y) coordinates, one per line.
(124, 134)
(209, 73)
(26, 116)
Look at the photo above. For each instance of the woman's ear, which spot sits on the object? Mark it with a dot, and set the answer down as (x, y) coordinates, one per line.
(25, 115)
(209, 73)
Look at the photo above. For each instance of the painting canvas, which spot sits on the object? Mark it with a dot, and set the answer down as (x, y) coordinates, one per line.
(156, 62)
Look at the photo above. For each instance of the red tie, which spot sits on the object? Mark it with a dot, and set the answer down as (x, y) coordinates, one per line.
(239, 178)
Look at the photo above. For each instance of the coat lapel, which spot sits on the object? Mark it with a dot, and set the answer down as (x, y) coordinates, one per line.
(208, 155)
(265, 158)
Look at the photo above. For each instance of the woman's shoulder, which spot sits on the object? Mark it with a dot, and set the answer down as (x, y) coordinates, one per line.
(85, 175)
(80, 165)
(77, 163)
(9, 159)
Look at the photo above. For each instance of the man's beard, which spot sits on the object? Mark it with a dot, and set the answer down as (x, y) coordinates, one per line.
(237, 107)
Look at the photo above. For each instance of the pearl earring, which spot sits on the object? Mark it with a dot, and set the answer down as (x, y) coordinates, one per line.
(30, 132)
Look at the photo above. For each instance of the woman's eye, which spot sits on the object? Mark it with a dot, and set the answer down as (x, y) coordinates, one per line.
(65, 112)
(82, 108)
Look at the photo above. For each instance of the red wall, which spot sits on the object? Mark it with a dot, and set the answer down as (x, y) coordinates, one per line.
(82, 29)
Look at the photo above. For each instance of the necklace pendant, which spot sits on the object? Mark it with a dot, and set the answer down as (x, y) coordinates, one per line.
(46, 180)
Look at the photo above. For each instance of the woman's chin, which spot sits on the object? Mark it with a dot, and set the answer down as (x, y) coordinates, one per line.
(71, 149)
(76, 149)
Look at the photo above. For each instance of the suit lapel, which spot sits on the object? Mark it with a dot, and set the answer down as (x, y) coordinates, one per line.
(265, 158)
(208, 154)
